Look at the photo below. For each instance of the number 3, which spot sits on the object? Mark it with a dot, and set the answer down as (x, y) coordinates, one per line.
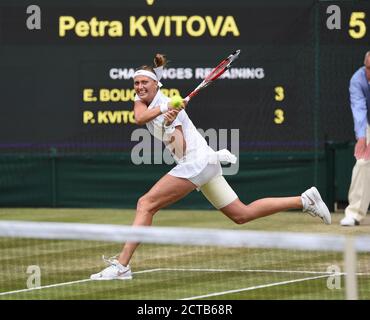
(279, 96)
(279, 116)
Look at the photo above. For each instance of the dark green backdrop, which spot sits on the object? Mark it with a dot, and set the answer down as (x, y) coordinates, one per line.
(49, 157)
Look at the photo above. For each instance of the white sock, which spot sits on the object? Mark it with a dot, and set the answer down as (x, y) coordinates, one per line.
(304, 202)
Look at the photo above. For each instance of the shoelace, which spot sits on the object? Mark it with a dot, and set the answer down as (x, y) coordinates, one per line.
(309, 208)
(110, 261)
(312, 210)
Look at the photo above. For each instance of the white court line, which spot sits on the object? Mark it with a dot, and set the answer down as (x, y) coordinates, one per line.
(252, 288)
(65, 283)
(44, 287)
(328, 273)
(324, 274)
(247, 270)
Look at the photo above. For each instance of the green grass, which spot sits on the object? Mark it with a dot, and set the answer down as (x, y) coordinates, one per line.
(236, 273)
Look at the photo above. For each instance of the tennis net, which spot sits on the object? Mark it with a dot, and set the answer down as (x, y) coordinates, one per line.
(49, 260)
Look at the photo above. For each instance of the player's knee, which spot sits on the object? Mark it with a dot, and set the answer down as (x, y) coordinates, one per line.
(146, 204)
(241, 216)
(239, 220)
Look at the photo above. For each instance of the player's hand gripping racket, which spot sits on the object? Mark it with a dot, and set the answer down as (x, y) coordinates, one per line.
(215, 74)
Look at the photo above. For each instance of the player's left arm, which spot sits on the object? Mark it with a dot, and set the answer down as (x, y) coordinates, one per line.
(177, 143)
(174, 136)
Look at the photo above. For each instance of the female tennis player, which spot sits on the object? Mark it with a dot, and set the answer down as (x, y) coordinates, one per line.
(198, 167)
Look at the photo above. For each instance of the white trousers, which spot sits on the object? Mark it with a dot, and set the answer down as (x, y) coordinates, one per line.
(359, 191)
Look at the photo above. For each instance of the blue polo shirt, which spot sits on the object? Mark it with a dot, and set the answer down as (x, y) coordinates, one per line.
(359, 90)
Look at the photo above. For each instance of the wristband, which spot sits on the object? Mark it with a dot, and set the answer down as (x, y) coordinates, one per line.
(163, 107)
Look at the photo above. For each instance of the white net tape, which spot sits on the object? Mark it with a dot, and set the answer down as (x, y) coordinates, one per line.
(183, 236)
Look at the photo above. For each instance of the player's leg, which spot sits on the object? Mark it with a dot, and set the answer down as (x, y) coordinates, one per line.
(221, 195)
(166, 191)
(242, 213)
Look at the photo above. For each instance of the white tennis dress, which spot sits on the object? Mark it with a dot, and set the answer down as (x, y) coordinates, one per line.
(198, 153)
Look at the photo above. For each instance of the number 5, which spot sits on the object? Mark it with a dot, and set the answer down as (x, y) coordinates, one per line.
(357, 21)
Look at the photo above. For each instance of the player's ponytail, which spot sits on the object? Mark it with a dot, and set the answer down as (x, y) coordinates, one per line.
(160, 60)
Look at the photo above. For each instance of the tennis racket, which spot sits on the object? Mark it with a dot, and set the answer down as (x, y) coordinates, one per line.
(215, 74)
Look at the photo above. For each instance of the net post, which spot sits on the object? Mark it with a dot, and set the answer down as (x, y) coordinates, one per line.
(350, 263)
(316, 106)
(53, 156)
(330, 174)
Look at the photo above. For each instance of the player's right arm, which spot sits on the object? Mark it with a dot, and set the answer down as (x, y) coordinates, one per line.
(143, 114)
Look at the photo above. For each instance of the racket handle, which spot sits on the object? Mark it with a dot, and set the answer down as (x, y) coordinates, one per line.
(191, 95)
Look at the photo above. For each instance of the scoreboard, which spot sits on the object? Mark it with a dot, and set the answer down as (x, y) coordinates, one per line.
(66, 69)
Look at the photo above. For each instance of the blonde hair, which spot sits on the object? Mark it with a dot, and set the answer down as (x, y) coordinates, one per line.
(159, 60)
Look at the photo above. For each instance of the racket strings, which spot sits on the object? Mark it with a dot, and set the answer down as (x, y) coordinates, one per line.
(215, 74)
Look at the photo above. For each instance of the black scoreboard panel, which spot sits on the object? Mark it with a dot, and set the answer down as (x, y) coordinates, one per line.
(68, 85)
(342, 52)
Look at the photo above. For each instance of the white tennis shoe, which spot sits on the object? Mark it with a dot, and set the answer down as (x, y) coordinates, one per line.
(313, 204)
(349, 222)
(113, 272)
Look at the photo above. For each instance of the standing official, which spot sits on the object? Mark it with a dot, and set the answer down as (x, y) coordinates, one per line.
(359, 192)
